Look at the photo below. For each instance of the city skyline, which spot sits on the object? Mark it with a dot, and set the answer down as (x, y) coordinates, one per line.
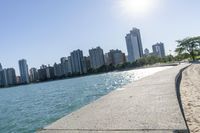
(75, 64)
(25, 70)
(30, 29)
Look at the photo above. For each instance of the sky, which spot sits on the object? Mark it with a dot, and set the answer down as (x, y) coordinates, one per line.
(43, 31)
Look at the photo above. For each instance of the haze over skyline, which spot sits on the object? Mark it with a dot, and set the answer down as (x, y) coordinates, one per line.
(43, 31)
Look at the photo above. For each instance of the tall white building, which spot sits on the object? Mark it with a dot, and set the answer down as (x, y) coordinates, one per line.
(96, 57)
(134, 45)
(77, 61)
(159, 49)
(23, 68)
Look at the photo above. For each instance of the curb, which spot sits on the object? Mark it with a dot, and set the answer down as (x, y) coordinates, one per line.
(177, 84)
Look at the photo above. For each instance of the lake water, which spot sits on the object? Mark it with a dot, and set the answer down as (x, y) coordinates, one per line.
(24, 109)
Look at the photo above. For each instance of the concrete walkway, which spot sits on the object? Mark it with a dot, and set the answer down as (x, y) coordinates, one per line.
(147, 105)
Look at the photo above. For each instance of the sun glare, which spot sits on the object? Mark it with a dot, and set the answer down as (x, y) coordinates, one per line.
(136, 6)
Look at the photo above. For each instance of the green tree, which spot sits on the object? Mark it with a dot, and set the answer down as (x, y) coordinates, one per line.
(188, 45)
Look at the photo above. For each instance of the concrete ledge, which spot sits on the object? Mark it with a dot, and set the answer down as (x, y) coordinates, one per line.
(113, 131)
(178, 81)
(148, 105)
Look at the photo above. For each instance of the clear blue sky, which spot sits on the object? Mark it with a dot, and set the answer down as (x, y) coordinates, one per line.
(42, 31)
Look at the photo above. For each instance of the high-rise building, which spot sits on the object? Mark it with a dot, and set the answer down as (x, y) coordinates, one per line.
(116, 57)
(69, 65)
(88, 64)
(58, 70)
(0, 67)
(77, 61)
(96, 57)
(3, 78)
(7, 77)
(146, 51)
(11, 76)
(23, 68)
(34, 75)
(50, 72)
(64, 65)
(18, 79)
(84, 62)
(159, 49)
(134, 45)
(108, 58)
(42, 73)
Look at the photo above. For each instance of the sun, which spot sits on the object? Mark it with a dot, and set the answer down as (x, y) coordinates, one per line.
(136, 6)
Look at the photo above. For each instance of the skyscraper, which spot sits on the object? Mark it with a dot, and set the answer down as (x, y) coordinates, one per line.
(77, 61)
(96, 57)
(11, 76)
(23, 68)
(3, 78)
(58, 70)
(64, 65)
(134, 45)
(50, 72)
(69, 65)
(159, 49)
(42, 73)
(34, 75)
(0, 67)
(84, 63)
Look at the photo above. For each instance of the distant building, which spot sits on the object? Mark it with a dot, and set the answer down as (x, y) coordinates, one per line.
(3, 78)
(1, 67)
(88, 64)
(159, 49)
(77, 61)
(18, 80)
(34, 77)
(134, 45)
(96, 57)
(84, 62)
(115, 57)
(11, 76)
(7, 77)
(64, 65)
(69, 65)
(58, 70)
(50, 72)
(42, 73)
(107, 59)
(23, 67)
(146, 51)
(63, 59)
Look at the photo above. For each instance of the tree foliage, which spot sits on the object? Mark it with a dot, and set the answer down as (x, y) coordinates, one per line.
(189, 46)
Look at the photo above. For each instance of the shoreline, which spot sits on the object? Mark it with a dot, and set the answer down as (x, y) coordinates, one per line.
(126, 69)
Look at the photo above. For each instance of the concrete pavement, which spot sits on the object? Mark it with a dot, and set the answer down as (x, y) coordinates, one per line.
(147, 105)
